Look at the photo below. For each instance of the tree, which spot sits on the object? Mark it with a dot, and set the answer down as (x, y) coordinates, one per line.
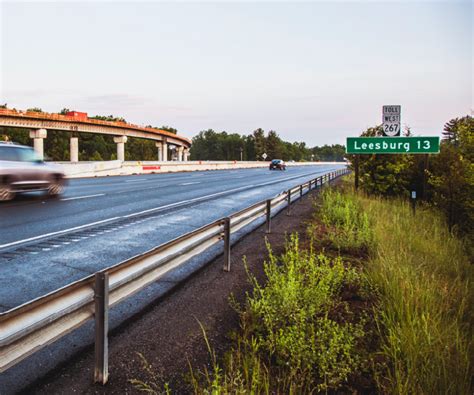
(259, 143)
(64, 111)
(274, 145)
(109, 118)
(452, 175)
(169, 129)
(388, 175)
(34, 109)
(451, 128)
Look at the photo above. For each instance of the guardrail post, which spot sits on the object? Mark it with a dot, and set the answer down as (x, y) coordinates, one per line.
(301, 192)
(269, 216)
(227, 244)
(288, 208)
(101, 299)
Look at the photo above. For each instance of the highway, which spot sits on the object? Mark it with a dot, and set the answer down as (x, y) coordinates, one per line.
(48, 243)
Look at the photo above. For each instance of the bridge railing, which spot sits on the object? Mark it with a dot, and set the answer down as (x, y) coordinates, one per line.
(36, 324)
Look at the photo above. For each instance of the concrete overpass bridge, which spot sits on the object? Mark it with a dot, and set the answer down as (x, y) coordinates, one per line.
(39, 123)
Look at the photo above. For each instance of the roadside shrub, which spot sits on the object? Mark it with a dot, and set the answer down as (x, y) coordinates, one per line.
(295, 333)
(344, 224)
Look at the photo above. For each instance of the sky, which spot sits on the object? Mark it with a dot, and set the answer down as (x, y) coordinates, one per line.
(316, 71)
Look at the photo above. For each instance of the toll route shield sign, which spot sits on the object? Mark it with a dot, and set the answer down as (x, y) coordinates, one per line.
(391, 117)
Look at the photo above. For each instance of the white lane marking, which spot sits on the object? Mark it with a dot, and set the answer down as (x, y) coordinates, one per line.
(83, 197)
(150, 210)
(141, 179)
(57, 233)
(190, 183)
(186, 201)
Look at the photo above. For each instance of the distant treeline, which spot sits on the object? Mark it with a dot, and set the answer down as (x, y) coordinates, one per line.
(207, 145)
(445, 181)
(211, 145)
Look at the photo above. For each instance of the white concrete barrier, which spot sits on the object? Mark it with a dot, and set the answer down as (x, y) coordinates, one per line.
(117, 168)
(88, 169)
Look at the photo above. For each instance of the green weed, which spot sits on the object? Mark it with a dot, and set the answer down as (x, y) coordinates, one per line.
(294, 337)
(341, 222)
(424, 281)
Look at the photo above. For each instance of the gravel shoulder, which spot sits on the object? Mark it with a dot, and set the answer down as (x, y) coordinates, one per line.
(168, 333)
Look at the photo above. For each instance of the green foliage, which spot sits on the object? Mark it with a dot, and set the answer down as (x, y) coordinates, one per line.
(169, 129)
(344, 224)
(447, 182)
(211, 145)
(3, 105)
(387, 175)
(93, 144)
(451, 176)
(329, 153)
(425, 288)
(166, 128)
(17, 135)
(140, 149)
(110, 118)
(56, 145)
(34, 109)
(207, 145)
(291, 317)
(260, 144)
(294, 337)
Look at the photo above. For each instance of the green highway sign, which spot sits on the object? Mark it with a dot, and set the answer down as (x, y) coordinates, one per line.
(392, 145)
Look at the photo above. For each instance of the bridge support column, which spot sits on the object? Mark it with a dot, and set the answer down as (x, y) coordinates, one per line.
(186, 154)
(120, 141)
(159, 145)
(38, 136)
(74, 149)
(165, 152)
(180, 154)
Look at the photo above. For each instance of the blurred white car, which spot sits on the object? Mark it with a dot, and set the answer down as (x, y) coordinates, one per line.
(21, 170)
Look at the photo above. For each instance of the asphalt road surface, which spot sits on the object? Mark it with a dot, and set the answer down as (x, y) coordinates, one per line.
(48, 243)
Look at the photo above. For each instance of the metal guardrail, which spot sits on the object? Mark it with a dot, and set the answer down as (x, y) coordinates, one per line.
(33, 325)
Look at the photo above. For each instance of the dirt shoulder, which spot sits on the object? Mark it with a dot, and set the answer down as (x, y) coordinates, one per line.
(168, 334)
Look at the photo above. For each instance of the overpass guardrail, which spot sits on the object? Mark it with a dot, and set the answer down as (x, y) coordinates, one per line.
(32, 326)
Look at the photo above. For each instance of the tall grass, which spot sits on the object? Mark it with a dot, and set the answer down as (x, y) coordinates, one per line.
(298, 333)
(424, 280)
(341, 222)
(294, 335)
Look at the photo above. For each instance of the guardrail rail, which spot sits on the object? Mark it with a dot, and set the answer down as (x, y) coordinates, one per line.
(36, 324)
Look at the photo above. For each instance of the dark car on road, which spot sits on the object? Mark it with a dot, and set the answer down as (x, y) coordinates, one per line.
(277, 164)
(22, 170)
